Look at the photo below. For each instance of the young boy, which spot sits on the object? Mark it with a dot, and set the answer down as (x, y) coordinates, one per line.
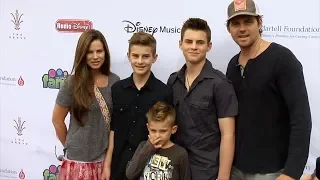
(158, 157)
(132, 98)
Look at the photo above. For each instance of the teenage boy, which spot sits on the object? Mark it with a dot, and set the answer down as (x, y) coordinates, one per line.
(206, 104)
(132, 98)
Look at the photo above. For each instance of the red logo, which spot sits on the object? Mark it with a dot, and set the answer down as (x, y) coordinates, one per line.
(20, 81)
(22, 175)
(73, 25)
(240, 5)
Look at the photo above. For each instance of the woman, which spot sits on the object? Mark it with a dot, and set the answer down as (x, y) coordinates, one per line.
(86, 94)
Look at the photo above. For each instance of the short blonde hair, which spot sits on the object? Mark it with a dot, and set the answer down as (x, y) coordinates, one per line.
(162, 111)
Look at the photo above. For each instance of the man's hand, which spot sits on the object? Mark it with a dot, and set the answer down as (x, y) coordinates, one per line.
(308, 177)
(284, 177)
(155, 142)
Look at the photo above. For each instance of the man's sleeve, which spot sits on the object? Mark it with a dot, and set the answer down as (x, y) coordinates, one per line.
(169, 96)
(225, 99)
(291, 83)
(170, 79)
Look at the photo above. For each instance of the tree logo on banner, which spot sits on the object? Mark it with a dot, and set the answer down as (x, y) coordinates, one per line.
(17, 20)
(19, 126)
(54, 79)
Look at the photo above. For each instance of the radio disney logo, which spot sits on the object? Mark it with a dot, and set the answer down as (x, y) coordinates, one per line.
(131, 27)
(73, 25)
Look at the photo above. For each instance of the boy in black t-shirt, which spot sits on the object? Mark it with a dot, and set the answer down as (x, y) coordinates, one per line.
(158, 157)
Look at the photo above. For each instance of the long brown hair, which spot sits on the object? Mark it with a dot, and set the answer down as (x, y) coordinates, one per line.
(82, 81)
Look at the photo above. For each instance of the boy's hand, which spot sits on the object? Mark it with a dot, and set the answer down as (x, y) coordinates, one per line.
(155, 142)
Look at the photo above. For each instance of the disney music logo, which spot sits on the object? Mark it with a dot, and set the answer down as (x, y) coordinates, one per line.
(137, 27)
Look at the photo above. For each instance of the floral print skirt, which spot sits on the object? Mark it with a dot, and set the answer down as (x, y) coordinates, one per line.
(76, 170)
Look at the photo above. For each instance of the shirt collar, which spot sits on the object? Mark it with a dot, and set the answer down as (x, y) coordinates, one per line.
(149, 84)
(206, 71)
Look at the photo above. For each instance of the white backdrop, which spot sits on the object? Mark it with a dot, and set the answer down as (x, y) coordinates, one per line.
(37, 48)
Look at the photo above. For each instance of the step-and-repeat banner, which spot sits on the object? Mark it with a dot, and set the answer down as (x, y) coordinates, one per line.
(38, 41)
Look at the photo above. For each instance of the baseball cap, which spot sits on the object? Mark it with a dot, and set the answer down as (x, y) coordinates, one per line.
(242, 7)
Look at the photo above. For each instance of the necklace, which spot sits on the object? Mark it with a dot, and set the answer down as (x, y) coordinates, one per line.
(187, 79)
(97, 80)
(188, 82)
(258, 49)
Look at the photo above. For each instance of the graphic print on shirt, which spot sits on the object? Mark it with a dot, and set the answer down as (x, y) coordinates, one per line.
(158, 168)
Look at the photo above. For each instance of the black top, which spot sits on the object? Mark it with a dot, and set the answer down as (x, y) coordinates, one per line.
(274, 123)
(128, 122)
(210, 97)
